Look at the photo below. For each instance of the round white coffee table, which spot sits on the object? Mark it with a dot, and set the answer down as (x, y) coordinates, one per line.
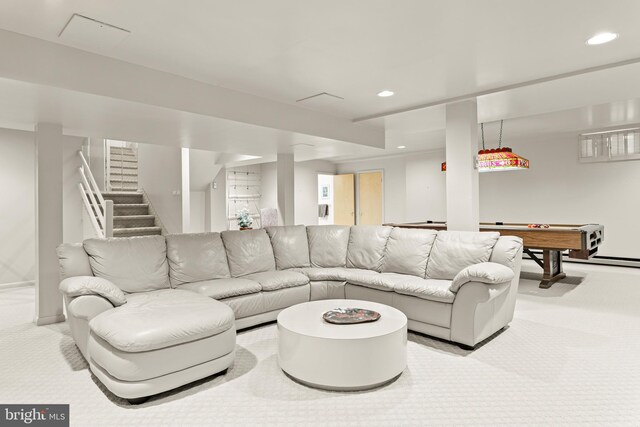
(341, 357)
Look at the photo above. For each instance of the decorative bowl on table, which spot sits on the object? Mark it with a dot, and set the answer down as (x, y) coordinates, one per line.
(350, 316)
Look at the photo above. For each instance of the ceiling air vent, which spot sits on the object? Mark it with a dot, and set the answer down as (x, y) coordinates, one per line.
(91, 34)
(320, 100)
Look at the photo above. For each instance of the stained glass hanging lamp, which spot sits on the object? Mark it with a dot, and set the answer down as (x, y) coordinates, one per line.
(496, 159)
(499, 159)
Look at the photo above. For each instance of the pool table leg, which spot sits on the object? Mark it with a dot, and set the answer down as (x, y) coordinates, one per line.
(552, 265)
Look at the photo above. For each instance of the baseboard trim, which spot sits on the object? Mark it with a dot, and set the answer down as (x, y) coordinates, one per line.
(58, 318)
(17, 284)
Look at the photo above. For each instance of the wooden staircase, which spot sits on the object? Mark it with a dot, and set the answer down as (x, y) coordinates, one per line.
(131, 211)
(131, 216)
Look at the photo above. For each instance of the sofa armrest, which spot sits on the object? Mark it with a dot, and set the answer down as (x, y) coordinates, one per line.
(89, 285)
(490, 273)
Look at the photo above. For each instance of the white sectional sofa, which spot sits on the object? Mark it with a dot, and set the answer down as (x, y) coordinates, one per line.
(153, 313)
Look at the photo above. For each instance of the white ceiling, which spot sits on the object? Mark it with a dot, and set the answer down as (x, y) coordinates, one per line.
(284, 50)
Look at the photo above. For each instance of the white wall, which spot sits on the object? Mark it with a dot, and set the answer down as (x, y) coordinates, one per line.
(306, 189)
(197, 212)
(160, 174)
(17, 206)
(559, 189)
(96, 150)
(217, 198)
(394, 189)
(426, 196)
(269, 185)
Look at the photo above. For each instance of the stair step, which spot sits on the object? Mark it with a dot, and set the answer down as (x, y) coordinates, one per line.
(138, 231)
(123, 197)
(134, 221)
(117, 163)
(124, 209)
(124, 189)
(123, 165)
(118, 158)
(125, 172)
(124, 179)
(125, 149)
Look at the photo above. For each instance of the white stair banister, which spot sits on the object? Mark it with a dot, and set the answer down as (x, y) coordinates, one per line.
(87, 205)
(92, 198)
(100, 210)
(108, 218)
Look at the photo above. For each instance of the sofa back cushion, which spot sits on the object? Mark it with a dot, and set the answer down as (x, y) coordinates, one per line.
(290, 246)
(196, 256)
(134, 264)
(73, 260)
(367, 245)
(506, 251)
(248, 251)
(408, 251)
(454, 251)
(328, 245)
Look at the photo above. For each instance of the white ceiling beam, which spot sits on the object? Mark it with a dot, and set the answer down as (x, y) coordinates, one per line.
(41, 62)
(499, 89)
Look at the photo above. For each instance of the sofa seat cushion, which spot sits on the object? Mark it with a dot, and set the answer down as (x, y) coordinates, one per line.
(274, 280)
(134, 264)
(453, 251)
(431, 289)
(144, 365)
(196, 256)
(367, 278)
(290, 246)
(223, 288)
(159, 319)
(315, 274)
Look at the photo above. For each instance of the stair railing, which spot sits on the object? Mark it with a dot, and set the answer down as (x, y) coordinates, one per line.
(100, 210)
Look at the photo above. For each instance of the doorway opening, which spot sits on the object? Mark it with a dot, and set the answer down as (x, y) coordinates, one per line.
(325, 199)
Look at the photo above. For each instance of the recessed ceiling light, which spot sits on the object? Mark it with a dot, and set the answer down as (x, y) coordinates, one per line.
(402, 146)
(602, 38)
(385, 93)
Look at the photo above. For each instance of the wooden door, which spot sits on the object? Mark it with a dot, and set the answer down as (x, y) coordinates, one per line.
(344, 199)
(370, 198)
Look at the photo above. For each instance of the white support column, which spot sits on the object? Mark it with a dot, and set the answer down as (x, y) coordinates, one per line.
(207, 207)
(186, 192)
(463, 207)
(48, 168)
(285, 179)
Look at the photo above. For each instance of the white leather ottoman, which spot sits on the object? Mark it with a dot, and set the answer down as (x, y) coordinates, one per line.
(341, 357)
(160, 340)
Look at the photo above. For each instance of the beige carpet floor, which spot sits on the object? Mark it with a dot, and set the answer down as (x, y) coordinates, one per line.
(571, 356)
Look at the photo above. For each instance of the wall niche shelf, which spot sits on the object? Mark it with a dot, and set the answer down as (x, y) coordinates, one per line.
(243, 192)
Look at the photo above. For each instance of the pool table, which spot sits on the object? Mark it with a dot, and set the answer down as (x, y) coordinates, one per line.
(581, 241)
